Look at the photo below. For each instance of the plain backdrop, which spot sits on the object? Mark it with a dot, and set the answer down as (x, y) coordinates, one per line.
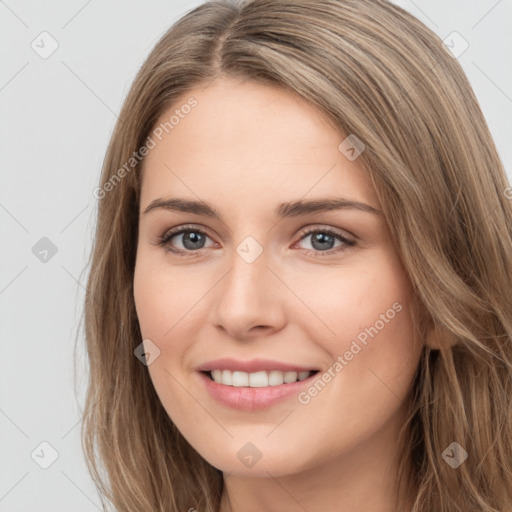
(56, 115)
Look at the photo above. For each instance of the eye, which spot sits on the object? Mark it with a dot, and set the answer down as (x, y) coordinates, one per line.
(192, 239)
(323, 241)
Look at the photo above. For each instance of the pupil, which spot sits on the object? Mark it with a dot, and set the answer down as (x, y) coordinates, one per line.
(322, 238)
(192, 239)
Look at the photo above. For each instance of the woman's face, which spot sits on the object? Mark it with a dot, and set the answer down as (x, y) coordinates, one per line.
(265, 282)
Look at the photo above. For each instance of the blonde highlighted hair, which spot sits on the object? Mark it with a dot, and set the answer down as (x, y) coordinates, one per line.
(378, 73)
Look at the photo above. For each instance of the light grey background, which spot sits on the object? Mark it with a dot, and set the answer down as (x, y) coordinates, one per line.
(56, 118)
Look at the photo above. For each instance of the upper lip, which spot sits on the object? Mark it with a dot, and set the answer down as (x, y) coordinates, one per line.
(254, 365)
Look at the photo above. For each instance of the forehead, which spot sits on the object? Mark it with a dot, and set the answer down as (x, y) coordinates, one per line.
(250, 142)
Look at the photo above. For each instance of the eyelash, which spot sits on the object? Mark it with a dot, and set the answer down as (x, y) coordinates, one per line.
(167, 237)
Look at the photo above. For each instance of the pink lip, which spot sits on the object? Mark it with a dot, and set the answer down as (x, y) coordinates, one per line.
(255, 365)
(252, 399)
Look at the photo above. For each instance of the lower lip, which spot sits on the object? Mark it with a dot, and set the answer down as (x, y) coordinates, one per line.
(245, 398)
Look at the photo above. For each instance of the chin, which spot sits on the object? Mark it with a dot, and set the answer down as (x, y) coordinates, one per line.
(248, 460)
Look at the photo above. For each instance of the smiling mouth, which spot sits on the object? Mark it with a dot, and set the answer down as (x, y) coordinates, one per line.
(259, 379)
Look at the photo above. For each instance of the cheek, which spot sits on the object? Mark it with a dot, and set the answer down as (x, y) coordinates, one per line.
(164, 301)
(371, 333)
(379, 350)
(354, 302)
(163, 296)
(374, 357)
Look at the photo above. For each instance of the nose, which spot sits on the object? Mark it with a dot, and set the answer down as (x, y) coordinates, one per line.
(249, 300)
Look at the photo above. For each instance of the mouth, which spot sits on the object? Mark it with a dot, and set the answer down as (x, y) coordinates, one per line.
(256, 391)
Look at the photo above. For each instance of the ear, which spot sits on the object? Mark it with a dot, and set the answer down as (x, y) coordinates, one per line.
(439, 337)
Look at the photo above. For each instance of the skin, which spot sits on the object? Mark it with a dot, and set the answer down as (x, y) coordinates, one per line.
(245, 148)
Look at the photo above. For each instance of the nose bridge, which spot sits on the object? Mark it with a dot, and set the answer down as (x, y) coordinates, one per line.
(247, 282)
(247, 296)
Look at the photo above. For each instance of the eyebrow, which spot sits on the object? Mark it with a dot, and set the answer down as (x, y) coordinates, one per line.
(290, 209)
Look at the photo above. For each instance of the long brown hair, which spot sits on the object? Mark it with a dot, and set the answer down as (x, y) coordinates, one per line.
(378, 73)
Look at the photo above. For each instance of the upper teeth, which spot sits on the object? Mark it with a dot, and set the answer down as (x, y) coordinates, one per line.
(257, 379)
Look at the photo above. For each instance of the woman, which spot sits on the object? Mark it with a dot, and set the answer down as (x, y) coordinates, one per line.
(300, 291)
